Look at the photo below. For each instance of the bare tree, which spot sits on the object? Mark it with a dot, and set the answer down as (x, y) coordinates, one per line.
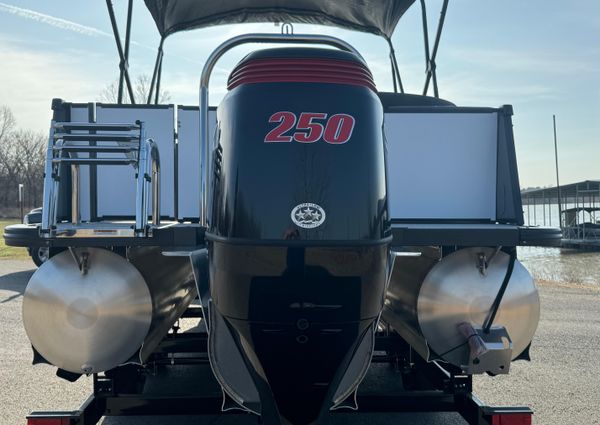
(21, 162)
(7, 122)
(141, 88)
(29, 147)
(7, 167)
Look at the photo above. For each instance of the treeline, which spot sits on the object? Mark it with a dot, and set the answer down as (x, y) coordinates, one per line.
(22, 155)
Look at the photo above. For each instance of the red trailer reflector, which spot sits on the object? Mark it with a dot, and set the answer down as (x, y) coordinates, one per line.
(49, 421)
(512, 419)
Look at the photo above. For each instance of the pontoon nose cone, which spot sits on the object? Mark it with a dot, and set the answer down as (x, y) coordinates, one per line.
(88, 322)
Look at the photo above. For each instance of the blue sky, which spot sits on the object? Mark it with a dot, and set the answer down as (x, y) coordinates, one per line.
(541, 56)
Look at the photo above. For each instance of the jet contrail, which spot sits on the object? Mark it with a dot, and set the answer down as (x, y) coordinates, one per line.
(71, 26)
(53, 21)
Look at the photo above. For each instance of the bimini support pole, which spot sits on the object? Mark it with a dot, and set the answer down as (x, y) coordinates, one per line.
(127, 40)
(123, 64)
(158, 78)
(431, 75)
(394, 76)
(157, 73)
(559, 198)
(426, 39)
(395, 69)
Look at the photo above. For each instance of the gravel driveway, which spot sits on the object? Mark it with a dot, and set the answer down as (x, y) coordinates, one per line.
(561, 384)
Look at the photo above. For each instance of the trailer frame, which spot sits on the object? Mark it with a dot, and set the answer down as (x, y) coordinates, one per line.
(424, 387)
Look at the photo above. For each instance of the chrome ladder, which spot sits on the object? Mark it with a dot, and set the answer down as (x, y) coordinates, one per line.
(76, 144)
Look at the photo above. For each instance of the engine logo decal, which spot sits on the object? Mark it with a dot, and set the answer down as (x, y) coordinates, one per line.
(335, 129)
(308, 216)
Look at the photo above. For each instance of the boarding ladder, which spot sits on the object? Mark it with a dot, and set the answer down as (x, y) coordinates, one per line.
(75, 144)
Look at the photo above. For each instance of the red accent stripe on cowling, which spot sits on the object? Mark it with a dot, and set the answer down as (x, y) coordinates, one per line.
(301, 70)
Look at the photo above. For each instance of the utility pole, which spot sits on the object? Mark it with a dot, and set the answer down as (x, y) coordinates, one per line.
(557, 179)
(21, 200)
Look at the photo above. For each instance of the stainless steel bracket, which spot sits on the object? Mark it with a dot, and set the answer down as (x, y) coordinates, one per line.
(489, 352)
(81, 259)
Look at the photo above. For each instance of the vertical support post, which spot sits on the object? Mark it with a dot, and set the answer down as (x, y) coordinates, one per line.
(544, 206)
(550, 210)
(204, 157)
(557, 179)
(50, 202)
(155, 186)
(577, 209)
(583, 212)
(21, 200)
(176, 126)
(93, 188)
(141, 197)
(534, 212)
(75, 217)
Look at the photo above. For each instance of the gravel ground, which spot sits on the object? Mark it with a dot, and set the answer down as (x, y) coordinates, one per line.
(560, 384)
(24, 387)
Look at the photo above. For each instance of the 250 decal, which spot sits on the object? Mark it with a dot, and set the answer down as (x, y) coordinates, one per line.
(310, 127)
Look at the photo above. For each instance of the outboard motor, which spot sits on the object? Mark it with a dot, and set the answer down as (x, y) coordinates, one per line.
(299, 233)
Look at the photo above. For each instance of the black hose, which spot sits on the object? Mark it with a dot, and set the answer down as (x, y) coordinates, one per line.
(496, 305)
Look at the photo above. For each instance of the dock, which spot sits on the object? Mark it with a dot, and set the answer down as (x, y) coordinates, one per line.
(575, 208)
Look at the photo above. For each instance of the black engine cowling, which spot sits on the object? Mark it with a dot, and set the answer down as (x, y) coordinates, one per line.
(299, 230)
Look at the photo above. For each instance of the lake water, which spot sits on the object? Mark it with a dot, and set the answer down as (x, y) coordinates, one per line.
(555, 264)
(562, 265)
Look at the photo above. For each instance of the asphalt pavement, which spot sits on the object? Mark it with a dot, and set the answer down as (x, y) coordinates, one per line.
(561, 383)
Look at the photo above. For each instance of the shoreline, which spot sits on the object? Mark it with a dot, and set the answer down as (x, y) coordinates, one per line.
(570, 285)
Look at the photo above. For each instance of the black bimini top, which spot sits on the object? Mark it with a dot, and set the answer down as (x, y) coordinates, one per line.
(374, 16)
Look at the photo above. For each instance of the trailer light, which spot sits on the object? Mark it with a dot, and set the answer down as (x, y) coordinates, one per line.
(512, 419)
(54, 420)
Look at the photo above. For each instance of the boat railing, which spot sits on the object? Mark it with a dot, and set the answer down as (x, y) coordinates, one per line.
(72, 145)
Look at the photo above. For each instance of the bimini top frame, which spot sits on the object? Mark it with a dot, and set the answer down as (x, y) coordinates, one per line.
(378, 17)
(205, 79)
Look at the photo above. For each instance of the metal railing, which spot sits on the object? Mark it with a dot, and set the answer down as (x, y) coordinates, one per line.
(88, 148)
(148, 172)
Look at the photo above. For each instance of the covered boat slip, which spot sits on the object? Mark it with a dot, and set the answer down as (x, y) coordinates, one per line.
(574, 207)
(451, 172)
